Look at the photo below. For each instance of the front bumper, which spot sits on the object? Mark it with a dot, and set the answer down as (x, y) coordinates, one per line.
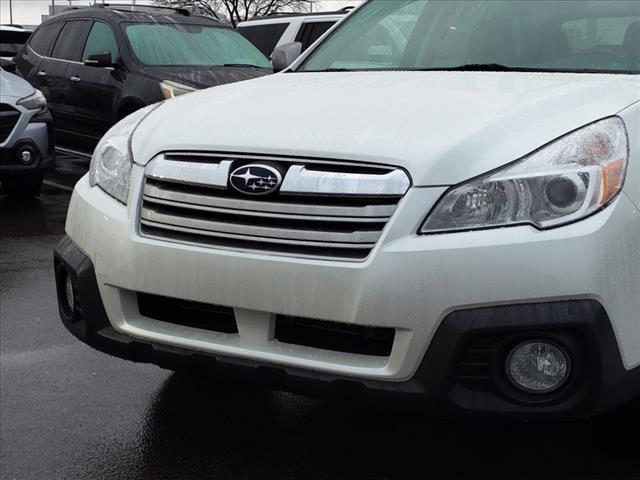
(34, 134)
(599, 382)
(412, 284)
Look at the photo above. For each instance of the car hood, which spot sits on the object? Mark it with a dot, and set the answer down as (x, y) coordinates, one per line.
(13, 88)
(442, 127)
(204, 77)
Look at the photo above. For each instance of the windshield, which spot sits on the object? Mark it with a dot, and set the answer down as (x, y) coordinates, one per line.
(157, 44)
(570, 36)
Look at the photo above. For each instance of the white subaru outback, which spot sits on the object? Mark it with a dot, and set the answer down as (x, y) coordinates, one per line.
(439, 201)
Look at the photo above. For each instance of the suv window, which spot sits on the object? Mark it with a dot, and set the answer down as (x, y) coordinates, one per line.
(71, 40)
(312, 31)
(44, 37)
(176, 44)
(101, 39)
(265, 37)
(593, 36)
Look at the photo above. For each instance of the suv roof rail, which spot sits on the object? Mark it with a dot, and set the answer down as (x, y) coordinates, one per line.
(130, 7)
(348, 8)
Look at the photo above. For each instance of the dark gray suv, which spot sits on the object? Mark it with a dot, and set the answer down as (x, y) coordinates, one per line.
(98, 65)
(26, 143)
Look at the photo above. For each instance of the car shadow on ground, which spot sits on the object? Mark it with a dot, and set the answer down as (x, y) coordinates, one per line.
(38, 216)
(200, 429)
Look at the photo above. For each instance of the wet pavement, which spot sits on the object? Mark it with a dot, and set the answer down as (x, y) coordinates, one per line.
(68, 412)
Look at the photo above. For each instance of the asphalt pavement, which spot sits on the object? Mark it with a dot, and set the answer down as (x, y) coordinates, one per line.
(69, 412)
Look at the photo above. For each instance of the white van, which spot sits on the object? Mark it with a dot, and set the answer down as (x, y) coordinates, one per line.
(270, 32)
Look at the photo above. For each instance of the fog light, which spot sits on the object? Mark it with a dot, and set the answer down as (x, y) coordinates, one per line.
(538, 367)
(25, 155)
(69, 294)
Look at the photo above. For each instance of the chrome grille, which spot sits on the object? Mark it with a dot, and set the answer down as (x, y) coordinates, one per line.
(323, 209)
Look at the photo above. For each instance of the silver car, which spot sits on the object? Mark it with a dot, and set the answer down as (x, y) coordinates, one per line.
(26, 143)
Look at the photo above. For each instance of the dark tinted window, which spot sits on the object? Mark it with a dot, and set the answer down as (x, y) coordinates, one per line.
(8, 36)
(71, 40)
(43, 38)
(265, 37)
(312, 31)
(11, 42)
(101, 40)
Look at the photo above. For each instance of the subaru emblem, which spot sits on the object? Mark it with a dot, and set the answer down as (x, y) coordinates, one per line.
(255, 179)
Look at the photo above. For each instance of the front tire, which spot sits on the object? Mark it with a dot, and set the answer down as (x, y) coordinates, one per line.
(22, 188)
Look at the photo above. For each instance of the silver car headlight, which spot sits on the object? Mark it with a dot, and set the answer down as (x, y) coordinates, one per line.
(35, 101)
(567, 180)
(112, 159)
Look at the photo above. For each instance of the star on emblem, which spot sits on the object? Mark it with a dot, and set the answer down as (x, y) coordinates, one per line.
(246, 176)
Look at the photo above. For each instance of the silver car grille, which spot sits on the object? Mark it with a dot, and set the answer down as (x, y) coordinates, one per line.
(334, 210)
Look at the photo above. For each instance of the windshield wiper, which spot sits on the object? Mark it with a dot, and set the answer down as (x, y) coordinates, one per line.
(479, 67)
(243, 65)
(489, 67)
(328, 70)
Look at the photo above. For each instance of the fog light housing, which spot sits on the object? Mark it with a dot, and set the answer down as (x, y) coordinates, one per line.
(538, 366)
(66, 289)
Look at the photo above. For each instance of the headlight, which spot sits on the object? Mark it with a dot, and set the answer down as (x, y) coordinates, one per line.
(111, 162)
(173, 89)
(34, 102)
(565, 181)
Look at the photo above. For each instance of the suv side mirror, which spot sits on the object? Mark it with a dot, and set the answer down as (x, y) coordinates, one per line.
(285, 55)
(8, 65)
(99, 60)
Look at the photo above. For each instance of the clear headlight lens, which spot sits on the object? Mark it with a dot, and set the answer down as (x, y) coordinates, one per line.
(34, 102)
(567, 180)
(173, 89)
(112, 160)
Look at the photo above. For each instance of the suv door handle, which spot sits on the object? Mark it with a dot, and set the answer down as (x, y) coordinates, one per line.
(75, 79)
(42, 73)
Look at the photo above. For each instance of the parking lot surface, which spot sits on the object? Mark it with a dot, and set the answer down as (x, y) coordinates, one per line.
(68, 412)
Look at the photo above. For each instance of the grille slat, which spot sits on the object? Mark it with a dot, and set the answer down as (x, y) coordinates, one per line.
(193, 223)
(307, 223)
(165, 192)
(252, 213)
(344, 252)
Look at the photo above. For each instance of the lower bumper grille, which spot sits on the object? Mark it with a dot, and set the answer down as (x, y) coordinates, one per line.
(337, 337)
(344, 224)
(188, 314)
(9, 117)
